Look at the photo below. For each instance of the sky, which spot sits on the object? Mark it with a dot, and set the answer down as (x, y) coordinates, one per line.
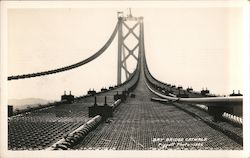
(198, 47)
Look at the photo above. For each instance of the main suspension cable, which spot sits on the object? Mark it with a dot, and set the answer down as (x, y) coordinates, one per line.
(69, 67)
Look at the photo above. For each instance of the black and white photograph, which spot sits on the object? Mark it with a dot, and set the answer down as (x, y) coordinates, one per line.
(124, 79)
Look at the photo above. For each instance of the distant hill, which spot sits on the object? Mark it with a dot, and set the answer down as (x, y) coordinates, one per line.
(27, 101)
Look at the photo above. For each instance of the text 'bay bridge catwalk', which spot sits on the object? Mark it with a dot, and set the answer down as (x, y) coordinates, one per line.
(140, 113)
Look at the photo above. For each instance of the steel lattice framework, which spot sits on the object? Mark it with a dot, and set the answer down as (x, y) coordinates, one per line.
(123, 47)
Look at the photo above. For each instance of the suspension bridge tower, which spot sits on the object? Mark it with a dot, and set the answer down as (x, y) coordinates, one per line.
(129, 43)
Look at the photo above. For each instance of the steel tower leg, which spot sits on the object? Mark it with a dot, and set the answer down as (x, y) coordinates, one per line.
(119, 64)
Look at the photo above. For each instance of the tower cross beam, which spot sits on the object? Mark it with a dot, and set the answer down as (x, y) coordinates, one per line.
(125, 64)
(130, 52)
(130, 30)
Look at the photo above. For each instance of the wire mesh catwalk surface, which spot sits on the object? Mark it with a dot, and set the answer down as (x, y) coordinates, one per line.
(39, 129)
(139, 124)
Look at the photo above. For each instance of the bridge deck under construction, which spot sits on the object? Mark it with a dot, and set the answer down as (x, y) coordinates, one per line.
(137, 124)
(125, 117)
(140, 124)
